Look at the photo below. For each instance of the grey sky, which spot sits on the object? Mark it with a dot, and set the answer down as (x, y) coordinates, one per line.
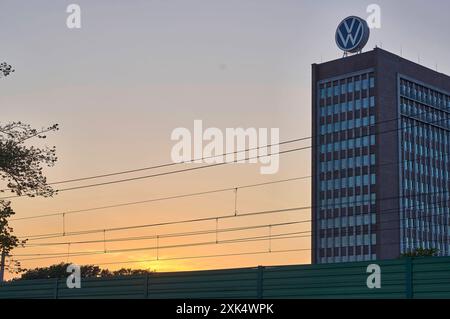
(138, 69)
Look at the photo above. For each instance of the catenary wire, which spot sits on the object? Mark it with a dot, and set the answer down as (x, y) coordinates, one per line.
(69, 212)
(207, 256)
(240, 151)
(211, 232)
(167, 235)
(282, 236)
(85, 232)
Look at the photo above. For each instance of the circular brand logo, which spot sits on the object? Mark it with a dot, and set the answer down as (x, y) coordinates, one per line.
(352, 34)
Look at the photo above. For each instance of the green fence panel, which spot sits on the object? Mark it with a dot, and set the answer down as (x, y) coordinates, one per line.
(431, 278)
(346, 280)
(234, 283)
(401, 278)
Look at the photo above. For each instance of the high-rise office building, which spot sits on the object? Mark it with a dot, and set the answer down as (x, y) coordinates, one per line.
(380, 160)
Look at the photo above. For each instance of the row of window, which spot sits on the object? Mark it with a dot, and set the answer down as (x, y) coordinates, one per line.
(345, 221)
(349, 163)
(419, 187)
(427, 136)
(348, 241)
(423, 214)
(431, 208)
(425, 170)
(345, 86)
(425, 151)
(421, 130)
(350, 106)
(347, 125)
(424, 95)
(425, 113)
(352, 258)
(348, 144)
(348, 182)
(348, 201)
(423, 225)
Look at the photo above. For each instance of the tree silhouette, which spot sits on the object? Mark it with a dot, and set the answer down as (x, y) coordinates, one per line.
(5, 69)
(87, 271)
(21, 166)
(422, 252)
(7, 240)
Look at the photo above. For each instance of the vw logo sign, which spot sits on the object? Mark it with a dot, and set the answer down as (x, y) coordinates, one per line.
(352, 34)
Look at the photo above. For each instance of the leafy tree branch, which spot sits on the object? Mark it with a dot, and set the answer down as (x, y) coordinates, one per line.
(5, 69)
(21, 165)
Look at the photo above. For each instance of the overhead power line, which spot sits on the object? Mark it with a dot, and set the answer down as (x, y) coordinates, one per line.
(210, 157)
(212, 165)
(203, 232)
(167, 173)
(165, 165)
(77, 233)
(258, 238)
(208, 256)
(69, 212)
(203, 256)
(234, 188)
(167, 235)
(282, 236)
(186, 221)
(57, 255)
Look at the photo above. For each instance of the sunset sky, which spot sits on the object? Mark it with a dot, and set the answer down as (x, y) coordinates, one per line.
(137, 70)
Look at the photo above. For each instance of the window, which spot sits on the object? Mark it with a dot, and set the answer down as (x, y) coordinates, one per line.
(366, 103)
(365, 84)
(366, 121)
(336, 90)
(350, 87)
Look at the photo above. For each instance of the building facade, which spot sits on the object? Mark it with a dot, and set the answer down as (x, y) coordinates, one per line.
(380, 158)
